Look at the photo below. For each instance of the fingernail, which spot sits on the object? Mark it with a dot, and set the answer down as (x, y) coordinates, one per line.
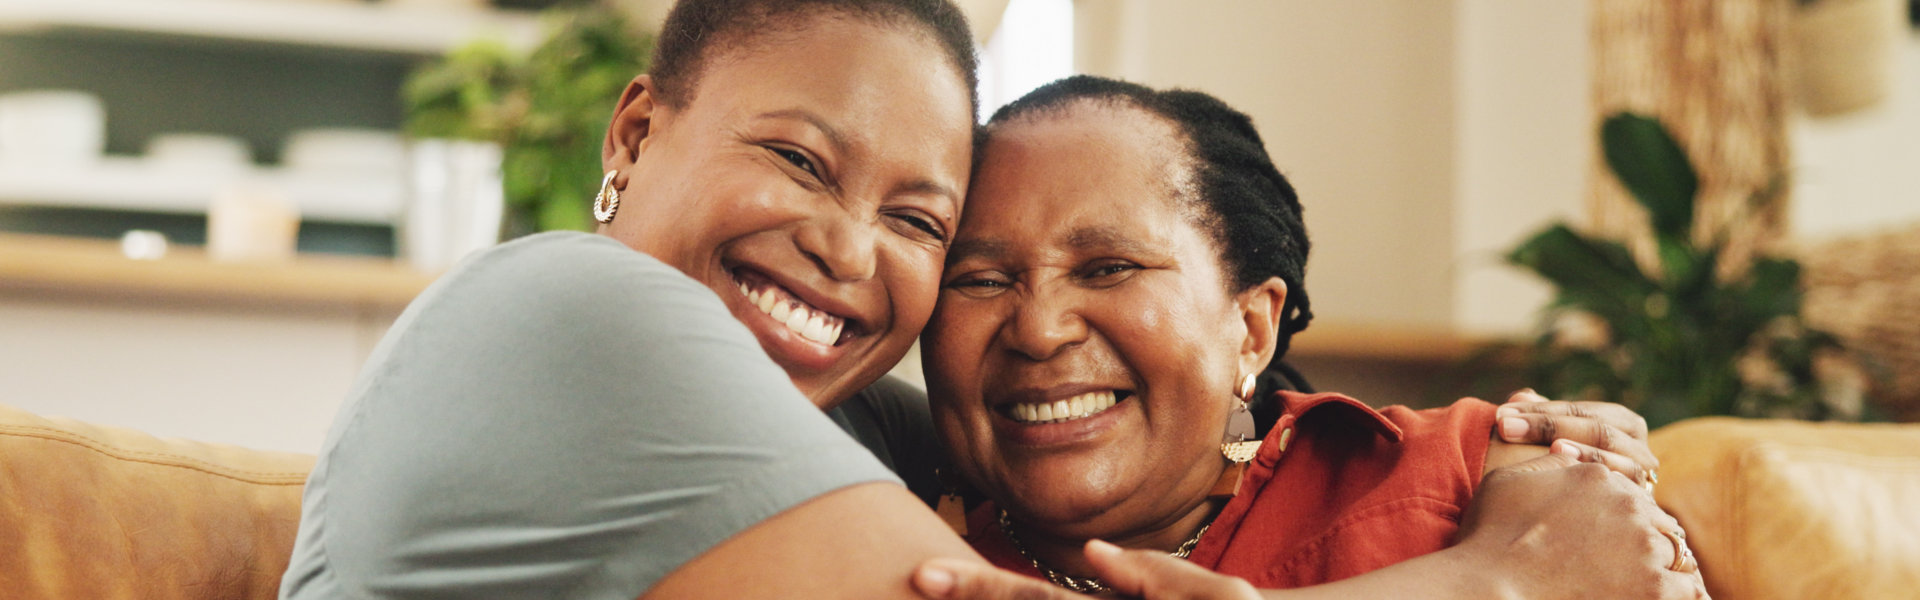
(933, 581)
(1528, 395)
(1565, 448)
(1513, 429)
(1102, 548)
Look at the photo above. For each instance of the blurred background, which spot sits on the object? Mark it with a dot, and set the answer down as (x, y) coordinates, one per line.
(211, 210)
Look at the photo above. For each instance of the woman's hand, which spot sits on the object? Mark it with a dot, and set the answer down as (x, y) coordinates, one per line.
(1551, 528)
(1611, 434)
(1131, 573)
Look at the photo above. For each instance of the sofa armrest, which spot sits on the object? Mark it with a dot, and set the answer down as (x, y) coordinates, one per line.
(89, 511)
(1789, 509)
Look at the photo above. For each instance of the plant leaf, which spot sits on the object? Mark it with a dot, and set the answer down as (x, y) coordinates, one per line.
(1653, 167)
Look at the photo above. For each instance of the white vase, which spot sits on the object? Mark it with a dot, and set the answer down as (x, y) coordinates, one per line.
(1846, 52)
(454, 202)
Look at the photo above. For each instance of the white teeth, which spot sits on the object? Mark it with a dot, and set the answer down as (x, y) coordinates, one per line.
(807, 322)
(797, 320)
(1081, 406)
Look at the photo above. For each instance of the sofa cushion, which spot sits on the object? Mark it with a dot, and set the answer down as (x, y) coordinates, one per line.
(89, 511)
(1788, 509)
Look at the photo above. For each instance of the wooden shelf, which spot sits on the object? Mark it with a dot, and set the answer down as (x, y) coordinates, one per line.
(58, 266)
(345, 25)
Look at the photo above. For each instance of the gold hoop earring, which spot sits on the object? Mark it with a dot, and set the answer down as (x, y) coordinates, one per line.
(607, 201)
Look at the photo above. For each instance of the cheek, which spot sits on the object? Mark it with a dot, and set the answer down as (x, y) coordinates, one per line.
(912, 281)
(1181, 352)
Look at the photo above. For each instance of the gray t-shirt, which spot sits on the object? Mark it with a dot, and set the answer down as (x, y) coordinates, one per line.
(559, 417)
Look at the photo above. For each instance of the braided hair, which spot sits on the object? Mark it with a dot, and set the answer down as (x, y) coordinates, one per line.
(698, 30)
(1245, 204)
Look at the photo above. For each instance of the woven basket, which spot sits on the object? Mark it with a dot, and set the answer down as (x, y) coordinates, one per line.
(1866, 290)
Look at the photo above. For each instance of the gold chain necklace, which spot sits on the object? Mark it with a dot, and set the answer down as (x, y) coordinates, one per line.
(1088, 585)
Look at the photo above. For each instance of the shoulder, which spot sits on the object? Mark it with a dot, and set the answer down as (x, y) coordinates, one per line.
(891, 418)
(564, 266)
(564, 282)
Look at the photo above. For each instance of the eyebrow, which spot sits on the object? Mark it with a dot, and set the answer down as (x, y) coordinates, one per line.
(978, 248)
(1107, 238)
(834, 138)
(1082, 239)
(842, 148)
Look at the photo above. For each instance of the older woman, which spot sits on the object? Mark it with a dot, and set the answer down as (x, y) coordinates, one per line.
(1130, 263)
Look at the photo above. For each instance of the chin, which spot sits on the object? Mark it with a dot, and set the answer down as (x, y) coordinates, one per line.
(1060, 505)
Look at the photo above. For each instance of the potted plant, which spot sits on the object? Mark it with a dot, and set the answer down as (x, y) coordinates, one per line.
(548, 110)
(1685, 338)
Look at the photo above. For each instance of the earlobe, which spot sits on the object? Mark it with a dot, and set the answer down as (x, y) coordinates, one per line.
(634, 120)
(1262, 307)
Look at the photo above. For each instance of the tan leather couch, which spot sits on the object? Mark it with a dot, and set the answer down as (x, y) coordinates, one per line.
(1775, 509)
(91, 512)
(1795, 510)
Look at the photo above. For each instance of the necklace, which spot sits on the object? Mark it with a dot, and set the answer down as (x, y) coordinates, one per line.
(1087, 585)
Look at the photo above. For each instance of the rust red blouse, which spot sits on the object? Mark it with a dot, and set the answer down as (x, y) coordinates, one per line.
(1337, 489)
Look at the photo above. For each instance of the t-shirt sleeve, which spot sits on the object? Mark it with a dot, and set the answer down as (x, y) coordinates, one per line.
(561, 417)
(892, 419)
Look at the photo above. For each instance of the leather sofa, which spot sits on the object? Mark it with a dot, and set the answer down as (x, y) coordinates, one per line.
(1773, 509)
(92, 512)
(1796, 510)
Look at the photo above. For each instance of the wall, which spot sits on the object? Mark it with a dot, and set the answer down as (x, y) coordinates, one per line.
(1355, 100)
(1855, 173)
(255, 377)
(1523, 125)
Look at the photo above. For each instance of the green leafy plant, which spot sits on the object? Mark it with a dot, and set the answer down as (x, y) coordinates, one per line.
(1681, 340)
(548, 109)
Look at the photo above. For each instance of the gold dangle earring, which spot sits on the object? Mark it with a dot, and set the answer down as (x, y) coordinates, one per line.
(607, 201)
(1238, 444)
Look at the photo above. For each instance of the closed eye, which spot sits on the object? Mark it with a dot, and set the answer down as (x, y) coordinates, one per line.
(797, 159)
(980, 283)
(922, 224)
(1108, 273)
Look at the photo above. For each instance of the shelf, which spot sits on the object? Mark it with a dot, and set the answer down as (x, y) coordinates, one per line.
(140, 185)
(49, 266)
(336, 24)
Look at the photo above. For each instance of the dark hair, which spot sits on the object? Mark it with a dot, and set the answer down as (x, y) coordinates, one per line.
(1249, 208)
(698, 30)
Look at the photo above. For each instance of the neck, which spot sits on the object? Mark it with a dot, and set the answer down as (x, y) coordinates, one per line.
(1066, 553)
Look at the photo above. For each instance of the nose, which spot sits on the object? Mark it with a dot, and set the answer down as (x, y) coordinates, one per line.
(843, 247)
(1044, 324)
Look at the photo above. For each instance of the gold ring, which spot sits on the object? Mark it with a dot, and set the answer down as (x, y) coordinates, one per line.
(1683, 561)
(1652, 477)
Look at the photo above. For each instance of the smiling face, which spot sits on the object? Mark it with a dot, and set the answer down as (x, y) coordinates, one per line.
(1080, 284)
(812, 181)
